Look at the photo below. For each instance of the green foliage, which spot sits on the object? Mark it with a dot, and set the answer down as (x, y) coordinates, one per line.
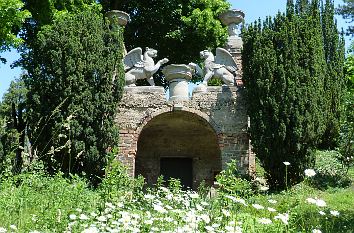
(11, 18)
(117, 183)
(75, 81)
(347, 12)
(13, 135)
(33, 201)
(230, 181)
(347, 126)
(330, 172)
(287, 81)
(179, 30)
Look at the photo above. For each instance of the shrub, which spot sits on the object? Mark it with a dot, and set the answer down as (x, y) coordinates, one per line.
(330, 172)
(230, 181)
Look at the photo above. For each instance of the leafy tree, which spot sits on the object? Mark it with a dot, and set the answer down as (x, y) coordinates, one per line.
(178, 29)
(347, 11)
(286, 74)
(75, 80)
(11, 18)
(347, 127)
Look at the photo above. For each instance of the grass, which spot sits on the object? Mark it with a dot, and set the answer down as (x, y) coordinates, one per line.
(38, 203)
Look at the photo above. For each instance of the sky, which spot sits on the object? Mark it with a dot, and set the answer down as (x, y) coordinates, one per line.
(253, 9)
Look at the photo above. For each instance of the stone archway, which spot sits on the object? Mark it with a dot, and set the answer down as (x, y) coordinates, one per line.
(178, 144)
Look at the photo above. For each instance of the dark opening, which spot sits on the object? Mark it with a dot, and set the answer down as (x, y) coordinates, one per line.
(178, 168)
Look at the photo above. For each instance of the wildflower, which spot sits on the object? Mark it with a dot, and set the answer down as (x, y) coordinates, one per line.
(34, 218)
(83, 217)
(334, 212)
(72, 216)
(283, 217)
(2, 230)
(320, 203)
(270, 209)
(149, 222)
(286, 163)
(264, 188)
(102, 218)
(199, 207)
(110, 205)
(13, 227)
(265, 221)
(149, 196)
(226, 213)
(316, 231)
(272, 201)
(33, 231)
(310, 172)
(164, 189)
(93, 214)
(240, 200)
(231, 229)
(311, 200)
(205, 218)
(257, 206)
(159, 209)
(321, 212)
(91, 229)
(79, 210)
(194, 195)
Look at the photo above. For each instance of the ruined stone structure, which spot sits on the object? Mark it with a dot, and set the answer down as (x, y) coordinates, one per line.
(187, 137)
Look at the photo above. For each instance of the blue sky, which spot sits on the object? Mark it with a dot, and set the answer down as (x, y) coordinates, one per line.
(253, 9)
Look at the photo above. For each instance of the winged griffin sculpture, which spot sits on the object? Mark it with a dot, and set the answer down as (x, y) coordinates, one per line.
(138, 66)
(221, 66)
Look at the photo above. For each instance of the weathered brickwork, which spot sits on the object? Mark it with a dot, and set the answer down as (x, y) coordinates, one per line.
(216, 116)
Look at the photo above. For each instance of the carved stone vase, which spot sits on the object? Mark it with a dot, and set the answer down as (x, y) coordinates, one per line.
(118, 17)
(178, 76)
(233, 19)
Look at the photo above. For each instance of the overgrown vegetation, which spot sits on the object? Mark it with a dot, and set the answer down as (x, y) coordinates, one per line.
(35, 202)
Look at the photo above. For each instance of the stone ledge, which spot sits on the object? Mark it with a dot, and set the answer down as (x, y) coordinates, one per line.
(145, 89)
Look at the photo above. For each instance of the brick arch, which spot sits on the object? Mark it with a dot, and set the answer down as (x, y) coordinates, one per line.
(199, 113)
(165, 135)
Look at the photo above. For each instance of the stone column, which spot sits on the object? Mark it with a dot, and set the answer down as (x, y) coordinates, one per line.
(233, 19)
(178, 77)
(118, 19)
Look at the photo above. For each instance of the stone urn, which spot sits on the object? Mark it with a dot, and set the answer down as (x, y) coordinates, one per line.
(178, 76)
(118, 17)
(232, 19)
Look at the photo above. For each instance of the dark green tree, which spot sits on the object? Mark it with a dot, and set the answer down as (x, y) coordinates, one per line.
(12, 112)
(347, 11)
(285, 74)
(75, 81)
(334, 82)
(178, 29)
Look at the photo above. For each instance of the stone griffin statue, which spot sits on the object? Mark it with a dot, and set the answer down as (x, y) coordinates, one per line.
(138, 66)
(221, 66)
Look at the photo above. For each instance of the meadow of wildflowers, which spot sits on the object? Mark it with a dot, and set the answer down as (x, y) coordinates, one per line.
(37, 203)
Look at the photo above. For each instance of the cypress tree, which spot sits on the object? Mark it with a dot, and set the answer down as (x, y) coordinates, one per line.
(334, 82)
(72, 94)
(284, 73)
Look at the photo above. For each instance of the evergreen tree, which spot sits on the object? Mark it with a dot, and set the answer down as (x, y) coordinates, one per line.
(286, 76)
(334, 82)
(13, 114)
(75, 81)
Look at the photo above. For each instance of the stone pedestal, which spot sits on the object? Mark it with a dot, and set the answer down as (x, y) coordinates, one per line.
(178, 77)
(233, 20)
